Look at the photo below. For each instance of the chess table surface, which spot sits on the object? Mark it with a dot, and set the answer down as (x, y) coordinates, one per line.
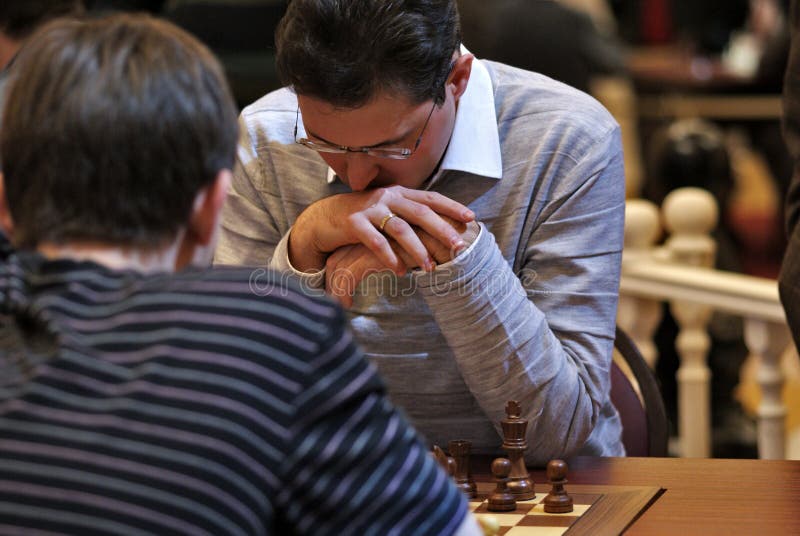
(701, 496)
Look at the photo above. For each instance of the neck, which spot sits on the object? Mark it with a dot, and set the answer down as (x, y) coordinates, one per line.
(115, 257)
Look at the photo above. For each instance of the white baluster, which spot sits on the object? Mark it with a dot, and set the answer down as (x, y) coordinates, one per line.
(767, 341)
(694, 379)
(639, 317)
(690, 214)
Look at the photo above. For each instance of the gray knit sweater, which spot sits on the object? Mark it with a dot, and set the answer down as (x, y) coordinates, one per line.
(526, 313)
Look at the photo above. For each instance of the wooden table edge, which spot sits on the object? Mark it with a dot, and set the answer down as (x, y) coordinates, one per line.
(617, 509)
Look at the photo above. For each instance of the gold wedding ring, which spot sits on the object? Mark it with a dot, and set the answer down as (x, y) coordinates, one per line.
(385, 220)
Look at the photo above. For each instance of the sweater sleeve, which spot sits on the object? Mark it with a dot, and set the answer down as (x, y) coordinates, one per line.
(249, 233)
(544, 335)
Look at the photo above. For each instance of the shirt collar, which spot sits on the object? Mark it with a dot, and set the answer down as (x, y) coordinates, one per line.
(475, 143)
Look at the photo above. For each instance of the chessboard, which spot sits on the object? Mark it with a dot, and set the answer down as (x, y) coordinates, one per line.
(597, 510)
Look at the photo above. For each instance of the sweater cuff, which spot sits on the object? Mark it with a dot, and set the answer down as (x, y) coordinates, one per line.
(280, 262)
(464, 267)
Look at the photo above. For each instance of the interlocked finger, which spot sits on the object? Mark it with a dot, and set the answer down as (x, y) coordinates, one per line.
(397, 228)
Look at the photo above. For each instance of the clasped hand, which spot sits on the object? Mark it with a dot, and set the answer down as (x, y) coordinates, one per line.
(342, 233)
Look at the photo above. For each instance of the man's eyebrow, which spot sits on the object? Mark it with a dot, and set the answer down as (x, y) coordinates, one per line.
(393, 141)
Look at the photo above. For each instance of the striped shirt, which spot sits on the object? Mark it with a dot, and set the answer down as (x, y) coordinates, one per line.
(205, 402)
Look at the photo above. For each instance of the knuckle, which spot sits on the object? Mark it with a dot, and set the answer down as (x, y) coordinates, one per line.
(376, 241)
(385, 195)
(330, 264)
(399, 228)
(421, 211)
(394, 189)
(431, 197)
(352, 219)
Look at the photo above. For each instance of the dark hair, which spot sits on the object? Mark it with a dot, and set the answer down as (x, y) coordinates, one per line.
(111, 128)
(689, 152)
(19, 18)
(344, 53)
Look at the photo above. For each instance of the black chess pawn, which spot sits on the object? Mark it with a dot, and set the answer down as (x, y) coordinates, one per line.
(451, 468)
(447, 462)
(501, 499)
(460, 450)
(558, 500)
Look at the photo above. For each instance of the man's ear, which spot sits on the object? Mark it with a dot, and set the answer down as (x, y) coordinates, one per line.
(459, 75)
(197, 242)
(6, 222)
(207, 209)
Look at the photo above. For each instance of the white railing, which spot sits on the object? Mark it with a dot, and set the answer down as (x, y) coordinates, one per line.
(680, 273)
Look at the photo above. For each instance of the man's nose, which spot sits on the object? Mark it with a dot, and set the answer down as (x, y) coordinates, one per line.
(361, 171)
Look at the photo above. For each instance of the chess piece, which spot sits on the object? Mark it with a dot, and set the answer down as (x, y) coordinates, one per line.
(460, 450)
(447, 462)
(514, 444)
(501, 499)
(489, 524)
(557, 501)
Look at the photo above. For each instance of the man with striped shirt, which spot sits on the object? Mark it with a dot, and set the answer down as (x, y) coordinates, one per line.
(137, 400)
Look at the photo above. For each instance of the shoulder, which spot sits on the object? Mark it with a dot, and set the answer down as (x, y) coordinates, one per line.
(267, 132)
(280, 100)
(246, 301)
(273, 116)
(534, 107)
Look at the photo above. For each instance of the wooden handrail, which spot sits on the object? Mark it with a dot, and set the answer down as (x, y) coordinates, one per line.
(737, 294)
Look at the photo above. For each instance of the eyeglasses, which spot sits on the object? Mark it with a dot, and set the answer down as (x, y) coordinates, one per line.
(395, 153)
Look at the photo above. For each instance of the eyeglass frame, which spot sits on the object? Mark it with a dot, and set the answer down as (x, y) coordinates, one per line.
(394, 153)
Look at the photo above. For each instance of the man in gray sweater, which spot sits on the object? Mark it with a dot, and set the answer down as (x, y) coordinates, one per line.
(469, 214)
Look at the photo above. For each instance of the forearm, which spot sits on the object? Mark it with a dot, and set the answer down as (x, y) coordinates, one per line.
(507, 349)
(280, 261)
(248, 238)
(301, 249)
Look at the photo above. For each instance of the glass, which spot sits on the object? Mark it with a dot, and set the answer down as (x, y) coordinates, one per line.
(395, 153)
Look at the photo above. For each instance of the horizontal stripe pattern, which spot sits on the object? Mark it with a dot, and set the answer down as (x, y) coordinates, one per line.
(190, 404)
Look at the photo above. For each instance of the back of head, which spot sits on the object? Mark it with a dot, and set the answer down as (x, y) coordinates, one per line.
(111, 128)
(345, 53)
(19, 18)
